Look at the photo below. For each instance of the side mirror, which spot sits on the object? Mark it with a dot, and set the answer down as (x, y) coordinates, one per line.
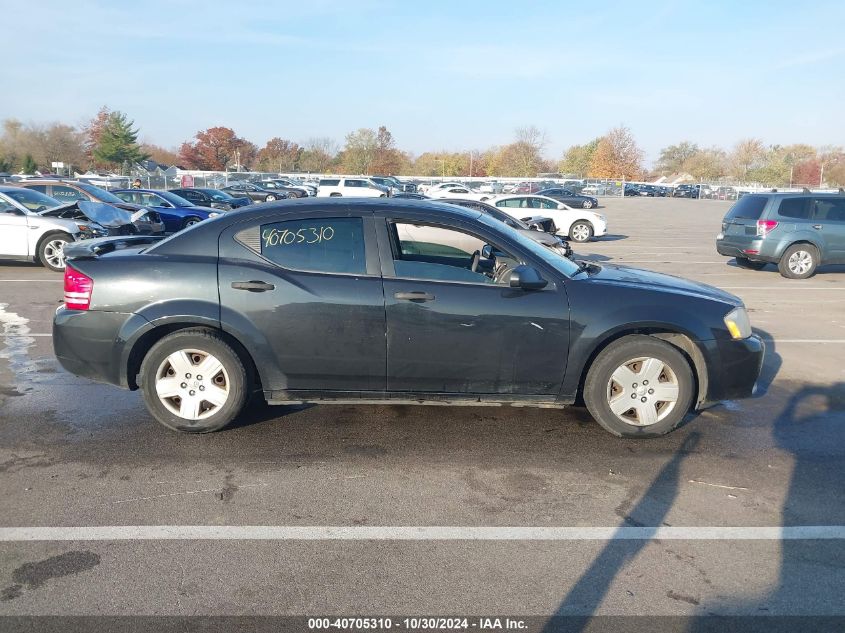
(486, 251)
(527, 278)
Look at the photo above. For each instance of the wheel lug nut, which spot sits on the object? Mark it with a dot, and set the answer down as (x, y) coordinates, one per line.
(202, 388)
(634, 396)
(184, 385)
(651, 391)
(642, 399)
(199, 377)
(193, 393)
(645, 382)
(634, 385)
(187, 375)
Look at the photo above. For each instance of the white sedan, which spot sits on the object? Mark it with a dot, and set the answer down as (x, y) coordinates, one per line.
(464, 193)
(580, 225)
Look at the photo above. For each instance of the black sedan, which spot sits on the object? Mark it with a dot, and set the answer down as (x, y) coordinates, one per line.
(373, 301)
(570, 198)
(214, 198)
(254, 192)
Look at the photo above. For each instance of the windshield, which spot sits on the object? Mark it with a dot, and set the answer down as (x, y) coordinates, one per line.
(214, 194)
(173, 199)
(101, 194)
(33, 200)
(553, 258)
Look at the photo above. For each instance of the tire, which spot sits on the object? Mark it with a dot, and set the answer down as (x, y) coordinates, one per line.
(744, 262)
(581, 231)
(178, 356)
(51, 251)
(631, 359)
(799, 261)
(269, 197)
(588, 204)
(190, 221)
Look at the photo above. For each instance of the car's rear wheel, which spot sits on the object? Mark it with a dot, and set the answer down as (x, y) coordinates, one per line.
(639, 386)
(588, 204)
(269, 197)
(799, 261)
(193, 381)
(190, 221)
(51, 251)
(744, 262)
(581, 232)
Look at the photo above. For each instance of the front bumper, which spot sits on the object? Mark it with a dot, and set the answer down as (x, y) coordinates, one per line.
(733, 367)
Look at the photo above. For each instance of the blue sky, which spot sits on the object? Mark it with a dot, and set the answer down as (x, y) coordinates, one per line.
(440, 75)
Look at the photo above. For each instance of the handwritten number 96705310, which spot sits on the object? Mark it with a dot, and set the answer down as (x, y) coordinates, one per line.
(307, 235)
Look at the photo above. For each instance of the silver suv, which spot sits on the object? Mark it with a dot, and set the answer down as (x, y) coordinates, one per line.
(797, 231)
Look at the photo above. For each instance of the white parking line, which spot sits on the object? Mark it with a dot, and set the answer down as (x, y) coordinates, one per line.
(416, 533)
(28, 281)
(45, 335)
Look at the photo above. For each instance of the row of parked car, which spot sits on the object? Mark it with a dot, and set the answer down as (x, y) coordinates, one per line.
(39, 217)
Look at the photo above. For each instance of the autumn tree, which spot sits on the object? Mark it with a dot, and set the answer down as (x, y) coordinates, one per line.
(279, 155)
(118, 142)
(161, 155)
(578, 158)
(673, 159)
(93, 131)
(318, 155)
(217, 148)
(387, 159)
(360, 151)
(706, 164)
(746, 156)
(617, 155)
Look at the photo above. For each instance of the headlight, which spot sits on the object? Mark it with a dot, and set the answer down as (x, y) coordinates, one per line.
(213, 215)
(738, 324)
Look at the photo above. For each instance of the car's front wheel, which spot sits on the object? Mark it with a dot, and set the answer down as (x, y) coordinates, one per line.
(639, 386)
(190, 221)
(744, 262)
(799, 261)
(581, 232)
(588, 204)
(269, 197)
(193, 381)
(51, 251)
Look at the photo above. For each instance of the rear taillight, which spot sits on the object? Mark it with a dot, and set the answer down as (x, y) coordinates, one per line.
(764, 227)
(78, 289)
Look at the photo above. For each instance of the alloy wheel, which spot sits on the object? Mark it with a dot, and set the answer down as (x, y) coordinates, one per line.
(54, 253)
(800, 262)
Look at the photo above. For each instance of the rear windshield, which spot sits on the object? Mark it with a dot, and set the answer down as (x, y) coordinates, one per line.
(748, 207)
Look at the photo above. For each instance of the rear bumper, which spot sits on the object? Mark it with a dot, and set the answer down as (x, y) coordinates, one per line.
(733, 367)
(90, 343)
(748, 246)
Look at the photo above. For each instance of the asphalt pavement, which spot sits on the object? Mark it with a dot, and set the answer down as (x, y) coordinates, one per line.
(78, 454)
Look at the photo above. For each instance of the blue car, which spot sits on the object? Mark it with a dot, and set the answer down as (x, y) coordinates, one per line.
(176, 213)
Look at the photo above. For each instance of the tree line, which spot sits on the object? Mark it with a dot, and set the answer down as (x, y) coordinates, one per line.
(110, 141)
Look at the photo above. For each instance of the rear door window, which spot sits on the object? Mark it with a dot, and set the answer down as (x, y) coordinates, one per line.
(829, 209)
(747, 208)
(795, 208)
(67, 194)
(329, 245)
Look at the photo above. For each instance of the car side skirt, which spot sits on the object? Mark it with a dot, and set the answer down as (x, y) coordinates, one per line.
(382, 397)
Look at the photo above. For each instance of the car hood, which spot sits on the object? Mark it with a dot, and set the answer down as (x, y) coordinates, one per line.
(616, 275)
(99, 212)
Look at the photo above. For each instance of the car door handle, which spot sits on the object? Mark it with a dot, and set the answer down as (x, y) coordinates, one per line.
(413, 296)
(253, 286)
(817, 226)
